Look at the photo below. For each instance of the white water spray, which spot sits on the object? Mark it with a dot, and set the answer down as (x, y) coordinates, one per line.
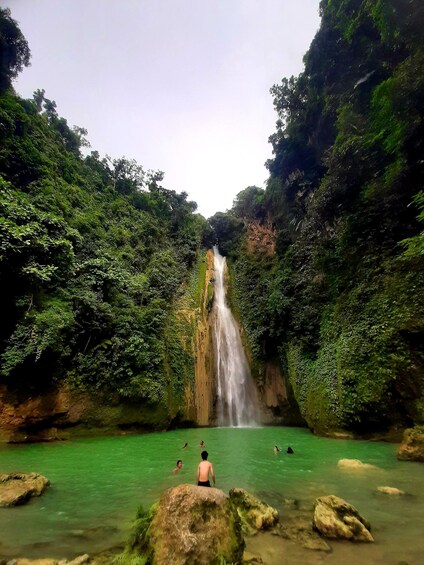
(236, 392)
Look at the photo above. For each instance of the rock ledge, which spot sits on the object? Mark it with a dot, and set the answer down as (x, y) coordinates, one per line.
(18, 488)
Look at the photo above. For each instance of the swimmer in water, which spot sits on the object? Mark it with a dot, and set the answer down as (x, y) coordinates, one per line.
(276, 450)
(290, 450)
(178, 466)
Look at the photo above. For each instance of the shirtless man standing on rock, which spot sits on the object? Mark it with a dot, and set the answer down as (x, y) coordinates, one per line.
(203, 471)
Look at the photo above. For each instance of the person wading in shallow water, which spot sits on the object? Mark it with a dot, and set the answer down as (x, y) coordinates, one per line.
(203, 471)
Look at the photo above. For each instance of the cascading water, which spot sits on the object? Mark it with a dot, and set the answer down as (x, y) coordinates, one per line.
(236, 392)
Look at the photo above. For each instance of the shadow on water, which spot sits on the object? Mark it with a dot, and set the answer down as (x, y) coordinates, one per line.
(97, 485)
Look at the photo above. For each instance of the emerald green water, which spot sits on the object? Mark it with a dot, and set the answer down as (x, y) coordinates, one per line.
(97, 485)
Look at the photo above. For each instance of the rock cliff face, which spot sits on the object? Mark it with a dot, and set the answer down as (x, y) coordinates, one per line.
(63, 412)
(204, 362)
(260, 239)
(278, 405)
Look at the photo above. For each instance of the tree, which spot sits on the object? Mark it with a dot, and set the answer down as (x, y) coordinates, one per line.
(249, 203)
(228, 230)
(14, 50)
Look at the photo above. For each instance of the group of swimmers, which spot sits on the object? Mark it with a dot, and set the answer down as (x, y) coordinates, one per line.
(277, 449)
(205, 468)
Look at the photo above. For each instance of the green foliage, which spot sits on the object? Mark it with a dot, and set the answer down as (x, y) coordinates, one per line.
(249, 203)
(14, 50)
(137, 550)
(139, 538)
(341, 301)
(414, 246)
(93, 254)
(45, 329)
(228, 230)
(36, 247)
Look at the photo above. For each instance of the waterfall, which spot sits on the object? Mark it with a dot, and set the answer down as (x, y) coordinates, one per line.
(236, 392)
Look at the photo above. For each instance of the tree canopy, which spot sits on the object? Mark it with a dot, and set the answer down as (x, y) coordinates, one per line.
(341, 302)
(94, 252)
(14, 50)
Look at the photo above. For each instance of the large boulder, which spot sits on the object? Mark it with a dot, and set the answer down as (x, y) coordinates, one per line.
(335, 518)
(18, 488)
(412, 446)
(256, 514)
(194, 524)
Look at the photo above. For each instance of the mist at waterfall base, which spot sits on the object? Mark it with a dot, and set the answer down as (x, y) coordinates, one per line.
(236, 392)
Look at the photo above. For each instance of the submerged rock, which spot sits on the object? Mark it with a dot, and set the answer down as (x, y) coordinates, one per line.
(335, 518)
(355, 464)
(257, 514)
(251, 559)
(296, 526)
(18, 488)
(194, 524)
(412, 446)
(390, 490)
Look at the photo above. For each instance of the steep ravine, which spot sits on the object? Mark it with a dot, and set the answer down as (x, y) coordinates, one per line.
(62, 412)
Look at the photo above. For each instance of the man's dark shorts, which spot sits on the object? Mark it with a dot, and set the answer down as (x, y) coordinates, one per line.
(203, 484)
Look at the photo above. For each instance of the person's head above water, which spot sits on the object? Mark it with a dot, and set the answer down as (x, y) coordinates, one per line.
(204, 455)
(179, 463)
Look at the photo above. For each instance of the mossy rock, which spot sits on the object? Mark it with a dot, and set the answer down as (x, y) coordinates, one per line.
(255, 514)
(412, 446)
(192, 524)
(335, 518)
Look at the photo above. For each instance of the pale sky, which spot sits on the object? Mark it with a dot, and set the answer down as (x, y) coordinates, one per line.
(179, 85)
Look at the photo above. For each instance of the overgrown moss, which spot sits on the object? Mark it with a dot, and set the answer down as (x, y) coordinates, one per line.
(180, 336)
(137, 549)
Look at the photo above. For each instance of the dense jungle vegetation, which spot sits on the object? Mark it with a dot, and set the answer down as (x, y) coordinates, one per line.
(341, 301)
(93, 254)
(96, 256)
